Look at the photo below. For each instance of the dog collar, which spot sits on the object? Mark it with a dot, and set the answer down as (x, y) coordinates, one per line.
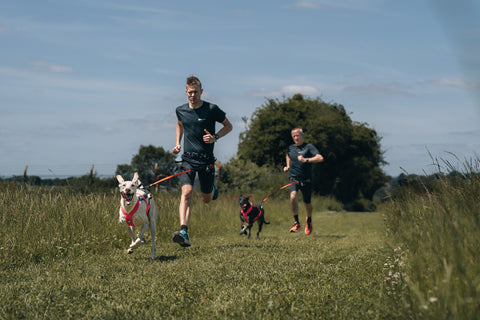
(248, 211)
(129, 215)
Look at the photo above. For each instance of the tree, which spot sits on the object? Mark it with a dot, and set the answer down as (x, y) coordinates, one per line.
(145, 162)
(352, 153)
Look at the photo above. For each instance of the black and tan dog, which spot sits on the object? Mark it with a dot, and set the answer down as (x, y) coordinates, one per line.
(249, 213)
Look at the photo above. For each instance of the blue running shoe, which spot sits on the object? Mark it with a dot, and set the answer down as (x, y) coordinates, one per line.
(181, 237)
(215, 192)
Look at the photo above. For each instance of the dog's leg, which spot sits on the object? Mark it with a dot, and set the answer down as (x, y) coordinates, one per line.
(140, 238)
(131, 232)
(249, 230)
(260, 224)
(153, 222)
(242, 225)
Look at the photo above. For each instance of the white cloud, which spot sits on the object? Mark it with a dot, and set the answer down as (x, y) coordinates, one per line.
(49, 67)
(344, 4)
(308, 4)
(453, 82)
(380, 89)
(287, 90)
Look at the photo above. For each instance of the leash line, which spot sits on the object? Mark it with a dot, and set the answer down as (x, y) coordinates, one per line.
(287, 185)
(169, 177)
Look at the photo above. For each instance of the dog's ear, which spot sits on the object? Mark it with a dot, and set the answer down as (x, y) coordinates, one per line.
(120, 179)
(135, 178)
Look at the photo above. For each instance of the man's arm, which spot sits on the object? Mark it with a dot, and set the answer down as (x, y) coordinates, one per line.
(316, 158)
(179, 135)
(227, 127)
(287, 167)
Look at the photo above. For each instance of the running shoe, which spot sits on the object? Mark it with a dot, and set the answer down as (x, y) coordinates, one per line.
(215, 192)
(308, 228)
(181, 237)
(296, 227)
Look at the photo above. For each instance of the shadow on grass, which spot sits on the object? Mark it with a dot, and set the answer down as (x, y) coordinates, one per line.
(334, 236)
(160, 258)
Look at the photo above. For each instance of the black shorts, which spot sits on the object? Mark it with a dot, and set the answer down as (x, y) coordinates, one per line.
(305, 186)
(206, 175)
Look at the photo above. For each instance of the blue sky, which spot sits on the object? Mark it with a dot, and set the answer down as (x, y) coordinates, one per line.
(88, 81)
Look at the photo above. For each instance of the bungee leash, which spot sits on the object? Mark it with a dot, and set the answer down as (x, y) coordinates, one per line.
(169, 177)
(287, 185)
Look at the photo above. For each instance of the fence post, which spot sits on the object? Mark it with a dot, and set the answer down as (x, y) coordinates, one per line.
(155, 175)
(25, 176)
(91, 175)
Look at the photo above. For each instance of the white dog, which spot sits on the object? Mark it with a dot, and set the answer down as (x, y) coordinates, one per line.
(137, 208)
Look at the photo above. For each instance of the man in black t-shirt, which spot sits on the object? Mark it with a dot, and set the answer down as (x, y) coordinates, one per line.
(196, 124)
(300, 157)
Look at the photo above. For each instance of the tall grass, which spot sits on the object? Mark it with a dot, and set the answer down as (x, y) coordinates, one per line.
(435, 270)
(63, 255)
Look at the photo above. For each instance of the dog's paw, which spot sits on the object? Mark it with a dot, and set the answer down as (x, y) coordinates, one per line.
(244, 230)
(136, 242)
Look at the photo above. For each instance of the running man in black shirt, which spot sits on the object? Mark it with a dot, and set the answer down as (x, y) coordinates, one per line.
(196, 124)
(300, 156)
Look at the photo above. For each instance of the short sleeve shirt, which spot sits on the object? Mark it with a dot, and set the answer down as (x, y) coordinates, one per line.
(194, 122)
(301, 170)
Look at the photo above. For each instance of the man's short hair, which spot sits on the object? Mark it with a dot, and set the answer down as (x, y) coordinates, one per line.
(192, 81)
(301, 131)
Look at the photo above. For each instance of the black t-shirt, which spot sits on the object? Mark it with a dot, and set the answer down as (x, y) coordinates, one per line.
(194, 122)
(301, 170)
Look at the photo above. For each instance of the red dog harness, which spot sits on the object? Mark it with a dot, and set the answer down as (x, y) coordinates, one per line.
(245, 214)
(129, 216)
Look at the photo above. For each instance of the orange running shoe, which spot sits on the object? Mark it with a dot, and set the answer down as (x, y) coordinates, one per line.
(308, 228)
(296, 227)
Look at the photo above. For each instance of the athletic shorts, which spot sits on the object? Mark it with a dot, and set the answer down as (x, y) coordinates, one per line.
(206, 176)
(305, 186)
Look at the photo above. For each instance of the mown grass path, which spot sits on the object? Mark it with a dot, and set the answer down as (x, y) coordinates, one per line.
(335, 273)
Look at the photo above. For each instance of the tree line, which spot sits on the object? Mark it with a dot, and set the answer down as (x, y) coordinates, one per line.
(351, 171)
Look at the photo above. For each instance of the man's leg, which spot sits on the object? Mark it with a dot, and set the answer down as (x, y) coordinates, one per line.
(181, 237)
(294, 207)
(185, 203)
(308, 224)
(207, 185)
(309, 208)
(307, 199)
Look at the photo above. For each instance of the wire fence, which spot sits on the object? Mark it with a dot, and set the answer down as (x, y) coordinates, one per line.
(61, 171)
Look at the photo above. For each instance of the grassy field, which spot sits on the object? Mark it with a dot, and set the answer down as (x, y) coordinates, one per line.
(64, 256)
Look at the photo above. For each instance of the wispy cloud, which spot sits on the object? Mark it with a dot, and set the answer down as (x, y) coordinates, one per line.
(49, 67)
(379, 89)
(327, 4)
(453, 82)
(287, 90)
(136, 8)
